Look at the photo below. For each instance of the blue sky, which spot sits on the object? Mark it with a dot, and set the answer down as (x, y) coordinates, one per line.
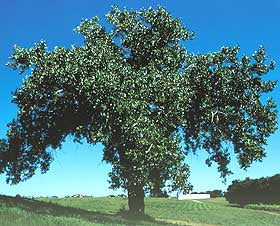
(78, 168)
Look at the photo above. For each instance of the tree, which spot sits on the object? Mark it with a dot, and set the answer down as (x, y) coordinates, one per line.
(255, 191)
(215, 193)
(136, 90)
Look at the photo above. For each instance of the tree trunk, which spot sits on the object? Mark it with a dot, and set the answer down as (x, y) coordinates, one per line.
(135, 188)
(136, 200)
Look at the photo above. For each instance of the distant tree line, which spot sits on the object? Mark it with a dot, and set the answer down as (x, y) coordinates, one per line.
(255, 191)
(213, 194)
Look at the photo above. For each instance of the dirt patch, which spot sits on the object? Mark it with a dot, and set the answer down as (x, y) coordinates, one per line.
(197, 201)
(269, 212)
(180, 222)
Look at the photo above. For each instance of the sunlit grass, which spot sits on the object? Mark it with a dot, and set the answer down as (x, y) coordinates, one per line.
(112, 211)
(272, 208)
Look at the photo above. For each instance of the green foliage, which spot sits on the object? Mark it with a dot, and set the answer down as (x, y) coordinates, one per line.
(3, 155)
(216, 193)
(133, 89)
(227, 106)
(263, 190)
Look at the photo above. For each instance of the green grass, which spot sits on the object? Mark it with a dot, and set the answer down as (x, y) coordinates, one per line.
(112, 211)
(272, 208)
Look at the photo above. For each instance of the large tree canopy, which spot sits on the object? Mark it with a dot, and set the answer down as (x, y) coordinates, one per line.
(136, 90)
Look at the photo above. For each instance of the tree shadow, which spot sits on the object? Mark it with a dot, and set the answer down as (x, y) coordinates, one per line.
(234, 205)
(54, 209)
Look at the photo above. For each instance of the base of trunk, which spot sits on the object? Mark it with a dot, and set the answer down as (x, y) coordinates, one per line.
(136, 200)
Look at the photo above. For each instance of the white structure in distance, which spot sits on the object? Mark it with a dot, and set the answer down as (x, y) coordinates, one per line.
(193, 196)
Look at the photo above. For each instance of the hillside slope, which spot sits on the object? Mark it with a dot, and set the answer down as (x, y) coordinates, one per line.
(112, 211)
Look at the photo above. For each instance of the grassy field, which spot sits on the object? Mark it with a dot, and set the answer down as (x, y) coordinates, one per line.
(271, 208)
(112, 211)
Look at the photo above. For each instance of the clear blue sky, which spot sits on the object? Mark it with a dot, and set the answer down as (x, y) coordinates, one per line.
(78, 168)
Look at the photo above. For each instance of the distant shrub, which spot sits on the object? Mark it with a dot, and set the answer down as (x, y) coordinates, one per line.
(216, 193)
(18, 196)
(257, 191)
(122, 196)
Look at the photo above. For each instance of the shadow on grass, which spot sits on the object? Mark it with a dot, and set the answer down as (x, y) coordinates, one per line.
(236, 205)
(53, 209)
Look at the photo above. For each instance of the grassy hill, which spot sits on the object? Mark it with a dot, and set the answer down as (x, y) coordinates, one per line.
(112, 211)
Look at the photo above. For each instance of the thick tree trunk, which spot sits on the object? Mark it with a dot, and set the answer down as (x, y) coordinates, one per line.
(136, 200)
(134, 188)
